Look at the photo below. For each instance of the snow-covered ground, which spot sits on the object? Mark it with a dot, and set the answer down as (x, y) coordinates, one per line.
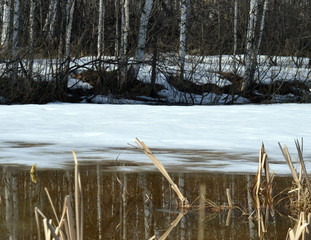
(193, 138)
(198, 69)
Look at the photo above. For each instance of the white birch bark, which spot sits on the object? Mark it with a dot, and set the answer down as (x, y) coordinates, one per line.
(70, 9)
(5, 23)
(31, 35)
(52, 21)
(250, 51)
(182, 38)
(116, 46)
(122, 44)
(126, 25)
(100, 41)
(142, 35)
(235, 34)
(48, 17)
(15, 40)
(262, 24)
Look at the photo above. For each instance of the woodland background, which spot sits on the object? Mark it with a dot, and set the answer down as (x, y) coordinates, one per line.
(55, 33)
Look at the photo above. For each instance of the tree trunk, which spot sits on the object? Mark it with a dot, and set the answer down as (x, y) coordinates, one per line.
(125, 25)
(31, 36)
(52, 21)
(116, 43)
(262, 24)
(69, 16)
(15, 48)
(182, 38)
(122, 57)
(142, 35)
(5, 24)
(100, 38)
(250, 58)
(235, 35)
(154, 66)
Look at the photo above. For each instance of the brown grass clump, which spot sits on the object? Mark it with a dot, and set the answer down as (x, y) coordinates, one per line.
(299, 194)
(70, 224)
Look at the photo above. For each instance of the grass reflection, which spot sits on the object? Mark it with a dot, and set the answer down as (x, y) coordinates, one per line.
(124, 205)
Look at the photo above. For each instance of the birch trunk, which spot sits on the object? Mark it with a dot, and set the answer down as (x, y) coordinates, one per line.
(49, 15)
(250, 48)
(125, 24)
(142, 35)
(100, 38)
(15, 40)
(182, 38)
(52, 21)
(5, 24)
(116, 43)
(121, 66)
(31, 36)
(69, 16)
(235, 34)
(262, 24)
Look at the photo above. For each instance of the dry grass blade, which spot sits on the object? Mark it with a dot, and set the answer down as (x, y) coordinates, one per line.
(70, 225)
(300, 230)
(161, 168)
(78, 204)
(173, 224)
(302, 164)
(290, 164)
(51, 203)
(76, 196)
(229, 198)
(37, 222)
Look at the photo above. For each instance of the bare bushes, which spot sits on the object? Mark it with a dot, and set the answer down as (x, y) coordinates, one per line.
(26, 91)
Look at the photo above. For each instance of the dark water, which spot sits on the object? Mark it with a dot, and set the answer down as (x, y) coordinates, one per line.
(120, 205)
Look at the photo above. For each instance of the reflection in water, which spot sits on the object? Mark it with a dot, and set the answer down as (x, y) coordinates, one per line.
(123, 205)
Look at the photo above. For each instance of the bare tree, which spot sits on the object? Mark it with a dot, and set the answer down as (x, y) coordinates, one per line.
(250, 61)
(5, 23)
(31, 35)
(117, 35)
(252, 49)
(262, 24)
(52, 18)
(182, 37)
(143, 27)
(15, 48)
(69, 16)
(101, 24)
(235, 34)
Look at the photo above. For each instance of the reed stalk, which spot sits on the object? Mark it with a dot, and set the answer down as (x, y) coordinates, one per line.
(300, 194)
(141, 145)
(69, 225)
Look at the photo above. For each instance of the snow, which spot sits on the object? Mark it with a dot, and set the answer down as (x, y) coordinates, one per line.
(190, 138)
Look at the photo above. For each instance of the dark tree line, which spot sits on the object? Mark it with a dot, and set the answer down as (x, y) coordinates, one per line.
(64, 30)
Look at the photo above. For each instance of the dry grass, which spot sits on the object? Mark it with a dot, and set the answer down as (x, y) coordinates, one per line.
(302, 228)
(69, 226)
(158, 164)
(299, 194)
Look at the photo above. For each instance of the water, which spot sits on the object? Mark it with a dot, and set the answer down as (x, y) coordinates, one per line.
(133, 205)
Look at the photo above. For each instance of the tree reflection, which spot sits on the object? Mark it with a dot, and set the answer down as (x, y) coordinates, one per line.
(123, 205)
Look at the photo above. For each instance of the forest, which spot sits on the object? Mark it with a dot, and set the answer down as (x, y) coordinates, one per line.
(155, 51)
